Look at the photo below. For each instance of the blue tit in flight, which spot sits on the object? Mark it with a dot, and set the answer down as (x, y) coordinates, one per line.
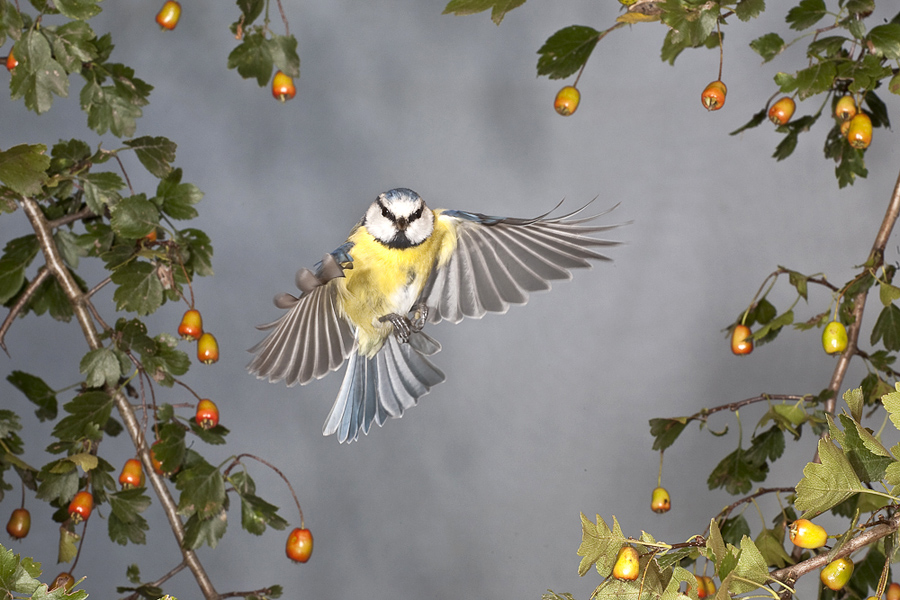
(405, 265)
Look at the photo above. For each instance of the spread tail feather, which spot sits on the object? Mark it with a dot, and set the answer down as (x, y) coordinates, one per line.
(383, 386)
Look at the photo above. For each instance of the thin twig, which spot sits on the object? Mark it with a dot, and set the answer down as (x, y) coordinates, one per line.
(16, 308)
(84, 213)
(178, 569)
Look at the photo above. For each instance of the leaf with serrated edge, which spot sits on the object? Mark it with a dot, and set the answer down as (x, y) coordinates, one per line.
(751, 567)
(826, 484)
(854, 399)
(888, 293)
(715, 542)
(599, 545)
(891, 402)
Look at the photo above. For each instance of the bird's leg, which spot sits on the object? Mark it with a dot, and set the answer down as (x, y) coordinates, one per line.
(420, 316)
(402, 326)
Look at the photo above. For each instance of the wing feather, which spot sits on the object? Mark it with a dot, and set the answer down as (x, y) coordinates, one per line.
(498, 262)
(305, 343)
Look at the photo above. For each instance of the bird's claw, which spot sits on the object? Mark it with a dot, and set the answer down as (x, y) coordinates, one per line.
(420, 316)
(402, 326)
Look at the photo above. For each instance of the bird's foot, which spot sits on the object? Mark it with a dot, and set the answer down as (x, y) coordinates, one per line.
(402, 326)
(420, 316)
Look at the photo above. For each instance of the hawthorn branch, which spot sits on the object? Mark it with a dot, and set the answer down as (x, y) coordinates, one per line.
(57, 268)
(790, 575)
(873, 263)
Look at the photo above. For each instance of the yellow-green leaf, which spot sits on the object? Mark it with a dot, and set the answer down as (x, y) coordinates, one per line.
(751, 567)
(599, 545)
(85, 460)
(826, 484)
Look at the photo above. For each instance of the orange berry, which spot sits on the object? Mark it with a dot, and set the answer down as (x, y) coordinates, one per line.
(860, 132)
(741, 342)
(132, 474)
(299, 545)
(191, 326)
(11, 62)
(660, 502)
(283, 87)
(207, 415)
(628, 564)
(207, 349)
(845, 108)
(168, 15)
(713, 96)
(782, 111)
(81, 506)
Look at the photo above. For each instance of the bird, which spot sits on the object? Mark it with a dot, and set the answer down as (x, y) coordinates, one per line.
(403, 266)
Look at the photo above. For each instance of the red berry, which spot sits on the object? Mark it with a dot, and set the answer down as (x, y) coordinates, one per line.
(19, 523)
(207, 349)
(299, 545)
(11, 62)
(81, 506)
(191, 326)
(207, 414)
(283, 87)
(741, 343)
(713, 96)
(782, 111)
(567, 100)
(168, 15)
(132, 474)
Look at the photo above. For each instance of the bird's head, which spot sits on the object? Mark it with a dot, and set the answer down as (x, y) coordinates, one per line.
(399, 219)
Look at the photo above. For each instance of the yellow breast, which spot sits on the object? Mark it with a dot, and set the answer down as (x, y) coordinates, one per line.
(383, 281)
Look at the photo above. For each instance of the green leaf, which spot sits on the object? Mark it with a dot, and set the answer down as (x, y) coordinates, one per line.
(17, 255)
(766, 446)
(599, 545)
(768, 46)
(170, 450)
(854, 400)
(134, 217)
(768, 331)
(734, 529)
(78, 9)
(38, 77)
(256, 513)
(252, 58)
(72, 45)
(23, 168)
(165, 360)
(197, 250)
(125, 521)
(88, 413)
(139, 290)
(815, 79)
(100, 367)
(176, 198)
(826, 484)
(754, 121)
(887, 293)
(566, 51)
(891, 402)
(751, 572)
(283, 50)
(37, 392)
(209, 531)
(666, 431)
(763, 313)
(749, 9)
(155, 153)
(887, 328)
(250, 9)
(885, 40)
(101, 190)
(806, 14)
(770, 543)
(799, 280)
(498, 8)
(58, 481)
(868, 460)
(736, 473)
(68, 548)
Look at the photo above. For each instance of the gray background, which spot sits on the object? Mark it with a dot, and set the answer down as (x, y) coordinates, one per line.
(477, 491)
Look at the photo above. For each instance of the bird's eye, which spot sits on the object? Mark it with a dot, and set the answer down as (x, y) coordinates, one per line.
(416, 214)
(385, 213)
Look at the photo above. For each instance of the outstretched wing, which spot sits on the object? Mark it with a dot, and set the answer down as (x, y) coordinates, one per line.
(499, 261)
(311, 338)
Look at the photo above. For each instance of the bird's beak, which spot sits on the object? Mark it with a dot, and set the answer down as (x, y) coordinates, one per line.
(402, 224)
